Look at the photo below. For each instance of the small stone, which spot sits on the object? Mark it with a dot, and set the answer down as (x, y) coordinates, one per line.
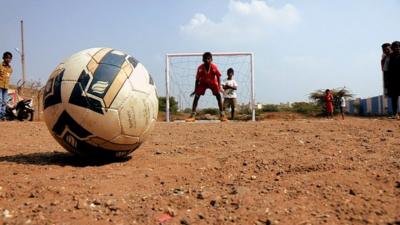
(253, 177)
(96, 202)
(54, 203)
(110, 204)
(178, 191)
(201, 216)
(6, 214)
(184, 222)
(171, 212)
(263, 222)
(233, 191)
(200, 196)
(235, 205)
(352, 192)
(80, 204)
(32, 195)
(158, 152)
(213, 202)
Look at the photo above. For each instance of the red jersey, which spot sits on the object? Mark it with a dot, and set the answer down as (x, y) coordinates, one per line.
(329, 102)
(210, 76)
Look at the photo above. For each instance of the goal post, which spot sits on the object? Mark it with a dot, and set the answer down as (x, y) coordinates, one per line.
(180, 72)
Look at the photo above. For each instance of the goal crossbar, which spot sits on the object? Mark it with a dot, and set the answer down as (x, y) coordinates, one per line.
(167, 77)
(214, 54)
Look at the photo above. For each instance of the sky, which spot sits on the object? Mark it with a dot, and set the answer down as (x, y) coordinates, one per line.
(299, 46)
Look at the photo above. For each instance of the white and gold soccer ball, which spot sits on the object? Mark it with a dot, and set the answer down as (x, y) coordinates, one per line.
(100, 102)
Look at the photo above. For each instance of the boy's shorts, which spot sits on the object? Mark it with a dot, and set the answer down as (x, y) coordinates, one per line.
(229, 103)
(202, 87)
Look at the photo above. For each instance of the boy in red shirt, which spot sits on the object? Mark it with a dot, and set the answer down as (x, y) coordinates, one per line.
(207, 77)
(329, 103)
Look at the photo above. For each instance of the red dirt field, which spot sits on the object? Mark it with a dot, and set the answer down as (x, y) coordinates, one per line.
(278, 171)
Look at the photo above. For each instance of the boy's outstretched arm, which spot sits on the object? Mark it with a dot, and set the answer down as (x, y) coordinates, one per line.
(195, 87)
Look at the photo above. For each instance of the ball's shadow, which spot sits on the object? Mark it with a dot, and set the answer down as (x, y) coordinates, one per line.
(60, 159)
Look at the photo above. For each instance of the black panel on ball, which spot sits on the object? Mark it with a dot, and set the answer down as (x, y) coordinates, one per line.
(52, 92)
(79, 98)
(133, 61)
(103, 77)
(66, 121)
(74, 138)
(113, 59)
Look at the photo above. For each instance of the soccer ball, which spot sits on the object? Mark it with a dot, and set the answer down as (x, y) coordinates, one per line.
(100, 102)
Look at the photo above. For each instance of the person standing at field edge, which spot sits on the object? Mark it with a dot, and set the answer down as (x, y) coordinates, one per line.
(342, 106)
(393, 88)
(329, 103)
(5, 73)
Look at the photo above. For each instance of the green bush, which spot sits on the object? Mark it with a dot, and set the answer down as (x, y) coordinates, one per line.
(270, 108)
(306, 108)
(212, 111)
(246, 110)
(187, 110)
(173, 104)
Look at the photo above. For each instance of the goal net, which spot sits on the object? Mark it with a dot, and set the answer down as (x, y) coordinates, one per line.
(180, 76)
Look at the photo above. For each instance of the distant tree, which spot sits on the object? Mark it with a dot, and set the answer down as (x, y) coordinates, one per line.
(318, 96)
(173, 104)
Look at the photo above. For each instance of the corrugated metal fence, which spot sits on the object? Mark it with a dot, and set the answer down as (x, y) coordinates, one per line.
(374, 106)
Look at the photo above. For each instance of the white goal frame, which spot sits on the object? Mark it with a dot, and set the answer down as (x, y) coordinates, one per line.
(167, 77)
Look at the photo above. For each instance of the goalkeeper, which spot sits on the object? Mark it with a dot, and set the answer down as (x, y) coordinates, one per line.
(207, 77)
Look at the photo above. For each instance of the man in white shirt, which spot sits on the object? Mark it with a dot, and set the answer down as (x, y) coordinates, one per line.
(230, 86)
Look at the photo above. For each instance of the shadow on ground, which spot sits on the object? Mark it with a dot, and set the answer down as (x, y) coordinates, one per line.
(59, 159)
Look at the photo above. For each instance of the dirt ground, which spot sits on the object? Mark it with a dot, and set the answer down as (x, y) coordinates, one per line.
(278, 171)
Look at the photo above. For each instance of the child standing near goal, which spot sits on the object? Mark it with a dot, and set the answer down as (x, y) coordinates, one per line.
(230, 87)
(207, 77)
